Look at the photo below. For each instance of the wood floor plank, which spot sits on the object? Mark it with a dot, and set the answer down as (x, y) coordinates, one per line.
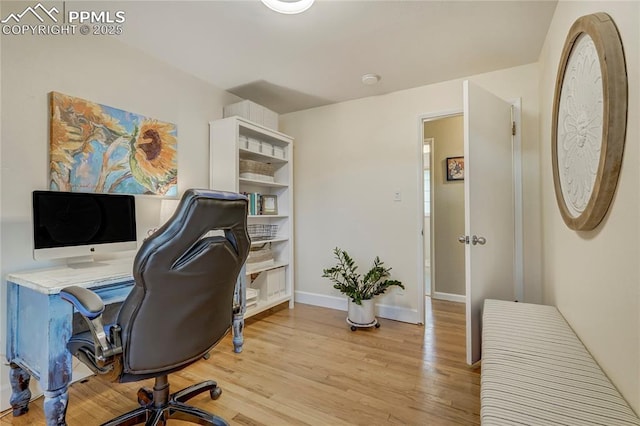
(305, 367)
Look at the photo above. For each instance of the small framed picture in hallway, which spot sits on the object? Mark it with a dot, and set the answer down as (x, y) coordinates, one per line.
(455, 168)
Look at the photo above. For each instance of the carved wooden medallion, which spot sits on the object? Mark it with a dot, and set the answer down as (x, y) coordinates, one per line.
(589, 121)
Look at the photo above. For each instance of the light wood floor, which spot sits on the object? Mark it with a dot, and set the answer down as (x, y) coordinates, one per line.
(304, 366)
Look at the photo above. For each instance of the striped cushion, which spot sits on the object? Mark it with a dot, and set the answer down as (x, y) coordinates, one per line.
(535, 371)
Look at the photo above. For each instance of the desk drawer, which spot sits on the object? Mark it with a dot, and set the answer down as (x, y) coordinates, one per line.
(112, 296)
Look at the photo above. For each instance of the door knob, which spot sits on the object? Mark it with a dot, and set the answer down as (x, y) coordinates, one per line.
(478, 240)
(464, 239)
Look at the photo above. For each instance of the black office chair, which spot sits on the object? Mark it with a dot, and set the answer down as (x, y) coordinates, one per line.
(180, 306)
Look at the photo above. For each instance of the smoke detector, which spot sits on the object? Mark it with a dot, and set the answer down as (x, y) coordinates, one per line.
(370, 79)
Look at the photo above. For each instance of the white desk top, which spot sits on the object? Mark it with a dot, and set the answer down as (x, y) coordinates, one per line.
(87, 275)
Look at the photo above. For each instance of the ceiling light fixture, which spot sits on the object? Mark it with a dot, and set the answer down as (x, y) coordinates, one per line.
(288, 7)
(370, 79)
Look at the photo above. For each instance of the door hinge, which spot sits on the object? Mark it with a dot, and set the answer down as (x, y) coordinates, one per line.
(513, 128)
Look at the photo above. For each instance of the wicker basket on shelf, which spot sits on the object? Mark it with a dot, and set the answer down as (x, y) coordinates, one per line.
(260, 254)
(262, 231)
(250, 169)
(260, 257)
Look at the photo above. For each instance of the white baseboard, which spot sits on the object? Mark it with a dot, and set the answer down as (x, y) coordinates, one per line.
(459, 298)
(399, 314)
(340, 303)
(5, 391)
(315, 299)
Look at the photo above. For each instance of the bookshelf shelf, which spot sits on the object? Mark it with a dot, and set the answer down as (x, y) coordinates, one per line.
(262, 183)
(262, 306)
(258, 156)
(272, 240)
(265, 268)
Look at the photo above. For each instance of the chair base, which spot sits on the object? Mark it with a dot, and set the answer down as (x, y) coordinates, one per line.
(159, 407)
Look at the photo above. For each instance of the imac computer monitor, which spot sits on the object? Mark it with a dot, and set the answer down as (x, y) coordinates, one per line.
(75, 225)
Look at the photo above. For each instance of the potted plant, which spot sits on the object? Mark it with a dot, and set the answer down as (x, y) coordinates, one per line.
(360, 289)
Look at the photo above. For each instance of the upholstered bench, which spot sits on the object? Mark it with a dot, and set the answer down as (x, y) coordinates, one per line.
(535, 371)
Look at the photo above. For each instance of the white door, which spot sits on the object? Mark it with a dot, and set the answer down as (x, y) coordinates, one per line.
(489, 207)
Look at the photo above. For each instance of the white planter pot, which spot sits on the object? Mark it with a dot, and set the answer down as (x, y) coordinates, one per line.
(362, 314)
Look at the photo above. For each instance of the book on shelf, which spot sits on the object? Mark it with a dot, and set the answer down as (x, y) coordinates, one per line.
(260, 204)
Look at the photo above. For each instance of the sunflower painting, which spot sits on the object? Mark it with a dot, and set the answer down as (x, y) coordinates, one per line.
(97, 148)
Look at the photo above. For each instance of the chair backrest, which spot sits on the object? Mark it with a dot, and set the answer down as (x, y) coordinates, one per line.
(182, 300)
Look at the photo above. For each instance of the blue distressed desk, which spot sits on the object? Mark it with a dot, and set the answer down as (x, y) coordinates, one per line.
(39, 324)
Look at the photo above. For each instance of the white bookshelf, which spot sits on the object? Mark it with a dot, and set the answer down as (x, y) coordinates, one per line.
(271, 285)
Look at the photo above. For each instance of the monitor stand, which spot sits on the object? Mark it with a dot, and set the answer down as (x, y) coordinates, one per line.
(82, 262)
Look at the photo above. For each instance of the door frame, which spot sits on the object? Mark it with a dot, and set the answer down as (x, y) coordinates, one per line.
(516, 117)
(431, 142)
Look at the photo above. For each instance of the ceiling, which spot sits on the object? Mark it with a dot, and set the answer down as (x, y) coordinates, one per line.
(293, 62)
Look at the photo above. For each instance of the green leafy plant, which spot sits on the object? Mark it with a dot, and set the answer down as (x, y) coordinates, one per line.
(346, 278)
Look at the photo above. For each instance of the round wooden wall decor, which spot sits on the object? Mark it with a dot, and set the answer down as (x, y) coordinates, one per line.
(589, 121)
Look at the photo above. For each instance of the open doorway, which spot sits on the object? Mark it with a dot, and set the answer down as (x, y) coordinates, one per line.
(443, 208)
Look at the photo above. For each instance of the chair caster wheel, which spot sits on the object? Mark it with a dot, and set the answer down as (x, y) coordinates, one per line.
(145, 397)
(377, 325)
(354, 328)
(215, 393)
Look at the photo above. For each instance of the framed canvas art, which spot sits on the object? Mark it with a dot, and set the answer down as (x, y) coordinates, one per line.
(97, 148)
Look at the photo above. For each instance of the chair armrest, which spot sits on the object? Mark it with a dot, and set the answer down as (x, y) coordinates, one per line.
(86, 302)
(91, 307)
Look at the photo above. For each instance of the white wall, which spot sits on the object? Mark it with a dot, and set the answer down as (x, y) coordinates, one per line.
(448, 207)
(106, 71)
(351, 157)
(594, 277)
